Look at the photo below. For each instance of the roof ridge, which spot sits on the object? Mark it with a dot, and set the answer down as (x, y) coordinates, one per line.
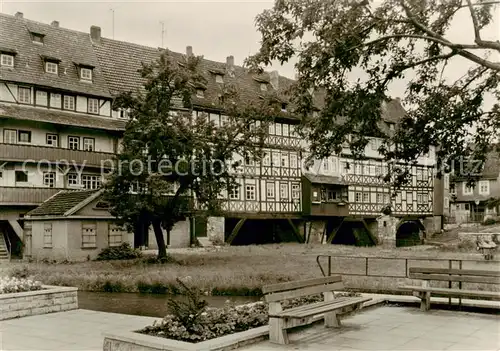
(25, 20)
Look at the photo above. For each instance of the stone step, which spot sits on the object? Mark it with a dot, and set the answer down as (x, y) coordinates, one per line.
(205, 242)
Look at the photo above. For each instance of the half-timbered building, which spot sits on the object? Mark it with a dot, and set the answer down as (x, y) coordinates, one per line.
(56, 92)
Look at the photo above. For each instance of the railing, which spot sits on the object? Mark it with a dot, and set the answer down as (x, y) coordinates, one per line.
(35, 153)
(27, 196)
(375, 267)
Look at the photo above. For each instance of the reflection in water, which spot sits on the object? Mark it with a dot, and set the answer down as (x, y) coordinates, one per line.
(151, 305)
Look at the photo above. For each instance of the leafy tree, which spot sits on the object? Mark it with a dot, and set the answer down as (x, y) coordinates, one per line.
(175, 160)
(350, 52)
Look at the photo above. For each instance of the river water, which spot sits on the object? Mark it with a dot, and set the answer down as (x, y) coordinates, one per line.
(151, 305)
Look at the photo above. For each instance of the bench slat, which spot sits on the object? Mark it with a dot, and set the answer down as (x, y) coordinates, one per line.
(455, 278)
(455, 292)
(334, 305)
(297, 284)
(473, 272)
(314, 305)
(311, 290)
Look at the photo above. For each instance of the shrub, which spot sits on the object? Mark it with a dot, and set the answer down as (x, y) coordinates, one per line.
(489, 221)
(122, 252)
(13, 285)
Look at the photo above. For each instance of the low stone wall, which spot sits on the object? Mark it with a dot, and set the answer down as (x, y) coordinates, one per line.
(30, 303)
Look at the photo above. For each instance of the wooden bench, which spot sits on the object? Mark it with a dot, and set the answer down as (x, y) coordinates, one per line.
(451, 275)
(280, 320)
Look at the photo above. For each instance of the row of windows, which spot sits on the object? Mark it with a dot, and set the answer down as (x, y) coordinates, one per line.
(88, 181)
(55, 100)
(51, 66)
(484, 188)
(88, 235)
(13, 136)
(250, 191)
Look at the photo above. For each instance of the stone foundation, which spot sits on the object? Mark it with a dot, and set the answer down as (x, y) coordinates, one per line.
(215, 229)
(386, 231)
(30, 303)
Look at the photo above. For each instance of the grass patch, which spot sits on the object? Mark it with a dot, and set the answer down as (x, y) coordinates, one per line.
(231, 270)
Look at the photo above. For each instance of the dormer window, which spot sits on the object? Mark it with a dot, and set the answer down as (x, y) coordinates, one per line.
(51, 67)
(283, 107)
(263, 86)
(200, 93)
(37, 37)
(7, 60)
(85, 73)
(219, 78)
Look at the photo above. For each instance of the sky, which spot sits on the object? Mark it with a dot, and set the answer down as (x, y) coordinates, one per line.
(215, 29)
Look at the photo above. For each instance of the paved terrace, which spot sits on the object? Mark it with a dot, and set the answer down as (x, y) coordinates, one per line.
(377, 328)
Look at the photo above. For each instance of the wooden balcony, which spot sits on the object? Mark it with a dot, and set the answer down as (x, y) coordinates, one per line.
(25, 196)
(336, 209)
(35, 153)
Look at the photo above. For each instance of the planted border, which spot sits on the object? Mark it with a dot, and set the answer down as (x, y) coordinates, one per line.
(30, 303)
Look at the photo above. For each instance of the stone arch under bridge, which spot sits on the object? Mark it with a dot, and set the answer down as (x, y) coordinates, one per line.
(410, 232)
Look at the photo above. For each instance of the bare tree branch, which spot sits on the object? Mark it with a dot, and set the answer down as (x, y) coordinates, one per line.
(486, 63)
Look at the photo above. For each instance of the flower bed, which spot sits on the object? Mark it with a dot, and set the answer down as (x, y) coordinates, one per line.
(10, 285)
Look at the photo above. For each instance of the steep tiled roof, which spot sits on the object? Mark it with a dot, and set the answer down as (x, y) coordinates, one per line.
(22, 112)
(62, 44)
(61, 202)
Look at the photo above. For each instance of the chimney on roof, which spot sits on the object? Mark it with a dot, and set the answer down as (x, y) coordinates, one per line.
(230, 61)
(19, 15)
(55, 24)
(189, 50)
(95, 34)
(274, 77)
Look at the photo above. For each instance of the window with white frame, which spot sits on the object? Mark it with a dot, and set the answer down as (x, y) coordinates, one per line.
(200, 93)
(49, 179)
(73, 179)
(234, 193)
(366, 197)
(74, 143)
(89, 235)
(484, 187)
(250, 192)
(270, 190)
(357, 196)
(52, 140)
(380, 198)
(55, 100)
(24, 95)
(295, 191)
(93, 106)
(467, 190)
(7, 60)
(91, 181)
(267, 159)
(115, 235)
(420, 198)
(69, 102)
(283, 191)
(387, 199)
(88, 144)
(284, 159)
(10, 136)
(47, 235)
(51, 67)
(293, 160)
(276, 159)
(85, 73)
(41, 98)
(326, 165)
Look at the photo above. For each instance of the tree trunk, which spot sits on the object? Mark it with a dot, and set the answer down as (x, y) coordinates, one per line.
(160, 241)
